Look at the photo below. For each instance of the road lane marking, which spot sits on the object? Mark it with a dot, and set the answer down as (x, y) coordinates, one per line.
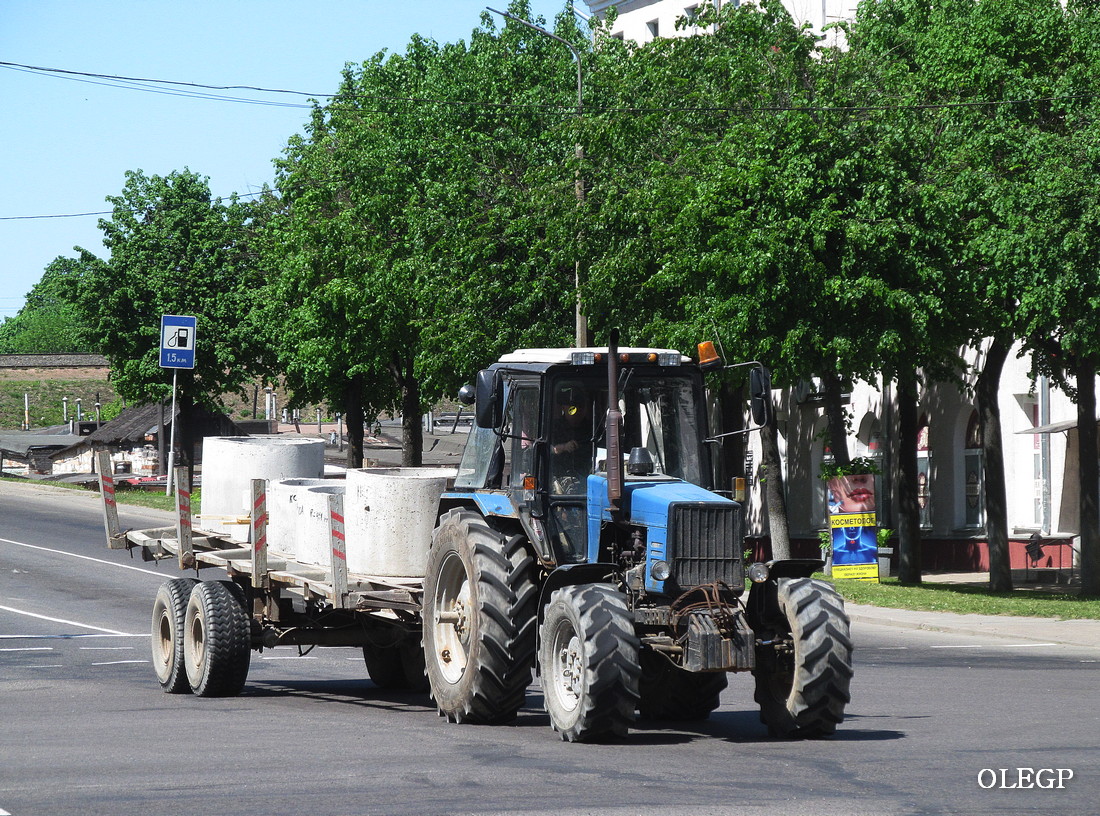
(62, 620)
(28, 649)
(85, 557)
(80, 635)
(119, 662)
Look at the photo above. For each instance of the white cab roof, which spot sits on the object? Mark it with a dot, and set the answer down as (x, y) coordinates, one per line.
(565, 355)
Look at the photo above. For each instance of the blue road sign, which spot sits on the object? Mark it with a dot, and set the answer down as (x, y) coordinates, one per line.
(177, 341)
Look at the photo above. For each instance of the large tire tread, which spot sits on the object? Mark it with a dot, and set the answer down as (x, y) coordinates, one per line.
(810, 702)
(169, 614)
(217, 642)
(501, 656)
(670, 693)
(598, 615)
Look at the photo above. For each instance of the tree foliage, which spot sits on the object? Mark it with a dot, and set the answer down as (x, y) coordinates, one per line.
(49, 321)
(174, 250)
(412, 232)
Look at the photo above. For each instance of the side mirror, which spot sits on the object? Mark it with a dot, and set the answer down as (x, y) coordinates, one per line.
(467, 395)
(760, 395)
(489, 406)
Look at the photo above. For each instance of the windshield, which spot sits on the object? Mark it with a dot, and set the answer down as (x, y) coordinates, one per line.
(659, 415)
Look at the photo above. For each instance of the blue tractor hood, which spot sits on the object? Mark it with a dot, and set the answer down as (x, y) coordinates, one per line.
(647, 503)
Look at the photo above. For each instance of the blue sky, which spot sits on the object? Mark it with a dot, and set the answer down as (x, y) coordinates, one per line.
(66, 144)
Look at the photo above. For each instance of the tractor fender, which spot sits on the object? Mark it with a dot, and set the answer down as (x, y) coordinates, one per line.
(762, 608)
(571, 575)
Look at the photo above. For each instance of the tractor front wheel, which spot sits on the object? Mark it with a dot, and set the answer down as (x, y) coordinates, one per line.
(588, 660)
(803, 675)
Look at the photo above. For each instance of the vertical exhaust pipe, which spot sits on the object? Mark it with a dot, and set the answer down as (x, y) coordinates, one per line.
(613, 429)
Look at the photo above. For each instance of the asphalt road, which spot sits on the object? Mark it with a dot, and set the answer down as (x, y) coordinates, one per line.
(85, 729)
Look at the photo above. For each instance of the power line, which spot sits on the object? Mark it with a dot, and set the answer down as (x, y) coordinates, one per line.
(113, 78)
(103, 212)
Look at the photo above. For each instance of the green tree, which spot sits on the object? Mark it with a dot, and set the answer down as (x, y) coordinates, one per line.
(412, 235)
(1011, 85)
(787, 209)
(49, 322)
(174, 250)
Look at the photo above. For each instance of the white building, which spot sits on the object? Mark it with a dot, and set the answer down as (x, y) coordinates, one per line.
(1039, 439)
(644, 20)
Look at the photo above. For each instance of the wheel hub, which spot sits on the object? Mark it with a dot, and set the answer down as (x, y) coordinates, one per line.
(571, 673)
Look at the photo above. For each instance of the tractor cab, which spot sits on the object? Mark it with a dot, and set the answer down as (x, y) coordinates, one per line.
(540, 442)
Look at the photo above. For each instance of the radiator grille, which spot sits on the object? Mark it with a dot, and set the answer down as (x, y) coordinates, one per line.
(705, 542)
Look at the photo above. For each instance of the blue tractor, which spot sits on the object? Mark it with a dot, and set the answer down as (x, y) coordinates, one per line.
(583, 539)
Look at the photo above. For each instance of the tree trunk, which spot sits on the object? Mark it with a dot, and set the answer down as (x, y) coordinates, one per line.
(185, 435)
(996, 501)
(909, 544)
(834, 412)
(355, 420)
(774, 497)
(1085, 371)
(412, 435)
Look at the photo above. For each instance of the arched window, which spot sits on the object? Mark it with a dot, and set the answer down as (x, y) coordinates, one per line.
(924, 472)
(870, 443)
(973, 486)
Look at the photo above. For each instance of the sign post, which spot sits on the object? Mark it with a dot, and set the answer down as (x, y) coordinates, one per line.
(177, 350)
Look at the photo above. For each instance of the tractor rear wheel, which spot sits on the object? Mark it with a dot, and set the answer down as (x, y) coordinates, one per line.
(588, 660)
(802, 682)
(479, 620)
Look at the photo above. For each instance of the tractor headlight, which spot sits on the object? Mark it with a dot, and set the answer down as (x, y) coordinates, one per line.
(758, 573)
(660, 571)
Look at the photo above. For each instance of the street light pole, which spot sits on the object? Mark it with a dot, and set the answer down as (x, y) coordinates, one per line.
(580, 320)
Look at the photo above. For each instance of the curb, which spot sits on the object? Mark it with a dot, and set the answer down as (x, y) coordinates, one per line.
(1064, 632)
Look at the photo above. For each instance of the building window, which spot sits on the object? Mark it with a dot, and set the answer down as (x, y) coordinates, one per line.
(870, 444)
(654, 27)
(924, 473)
(973, 492)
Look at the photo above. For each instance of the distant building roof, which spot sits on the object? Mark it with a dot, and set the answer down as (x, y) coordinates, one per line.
(134, 424)
(18, 444)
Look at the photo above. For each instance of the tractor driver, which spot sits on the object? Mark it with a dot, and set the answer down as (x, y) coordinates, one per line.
(571, 438)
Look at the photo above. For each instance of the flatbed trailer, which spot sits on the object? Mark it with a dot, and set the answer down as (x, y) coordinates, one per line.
(280, 601)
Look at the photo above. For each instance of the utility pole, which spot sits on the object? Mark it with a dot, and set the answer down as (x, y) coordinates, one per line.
(580, 320)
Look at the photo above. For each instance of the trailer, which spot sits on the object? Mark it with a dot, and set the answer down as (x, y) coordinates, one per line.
(581, 538)
(203, 631)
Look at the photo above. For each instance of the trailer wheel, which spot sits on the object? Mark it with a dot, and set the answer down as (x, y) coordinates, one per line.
(217, 641)
(479, 620)
(803, 685)
(670, 693)
(399, 667)
(169, 611)
(588, 660)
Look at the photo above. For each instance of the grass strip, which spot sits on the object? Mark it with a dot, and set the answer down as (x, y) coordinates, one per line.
(968, 599)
